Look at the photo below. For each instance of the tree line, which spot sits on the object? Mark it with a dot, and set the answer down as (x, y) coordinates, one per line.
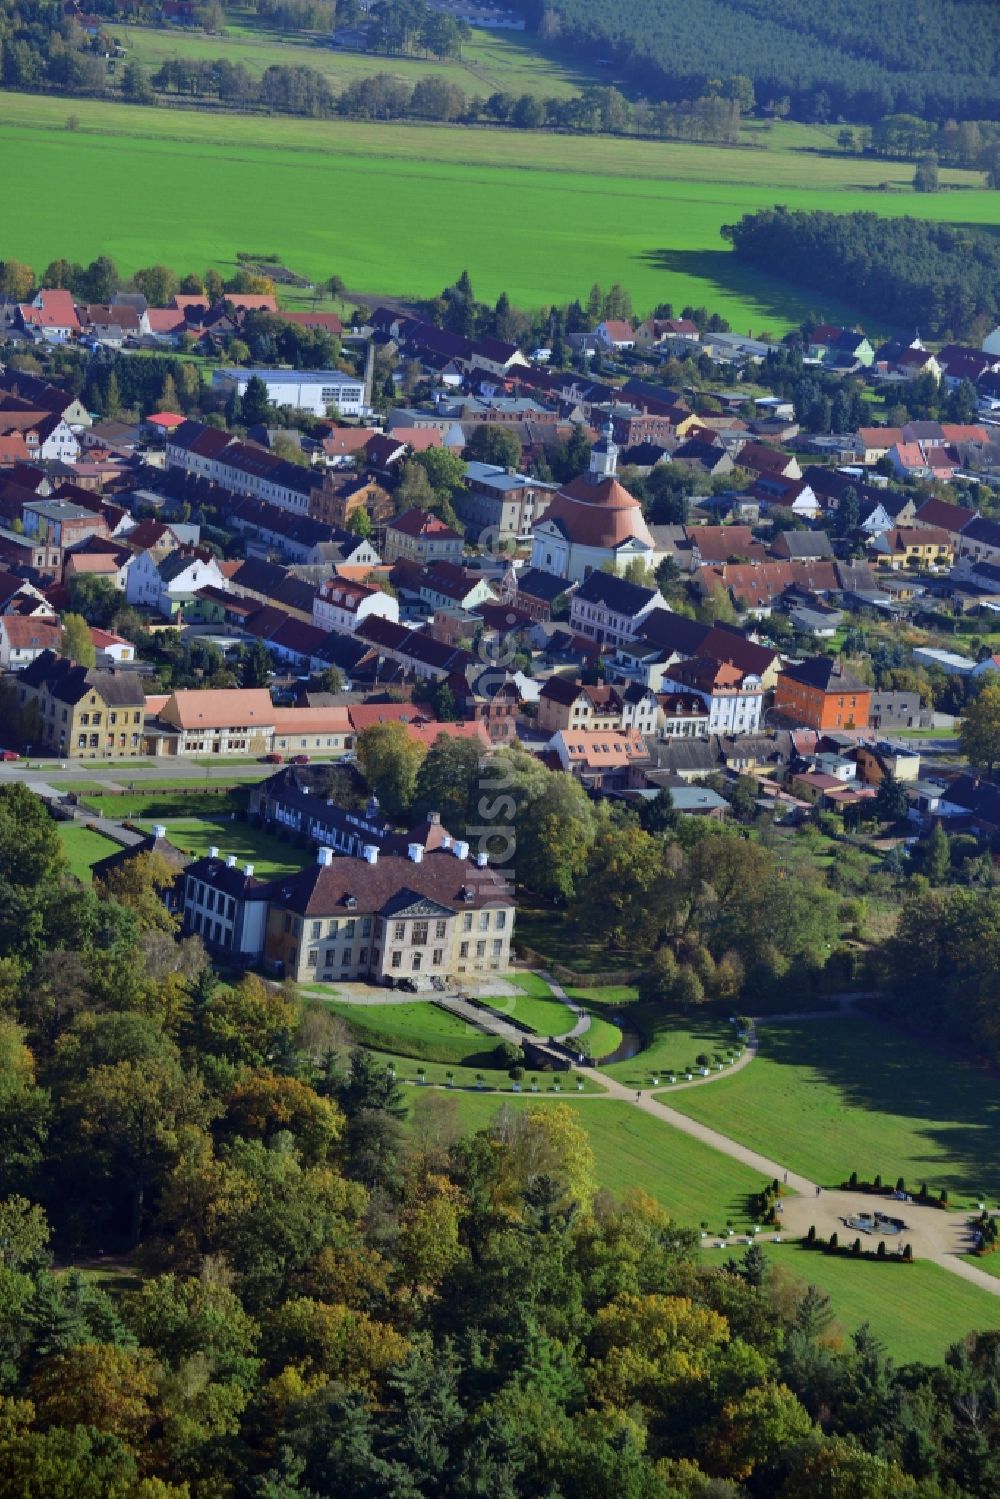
(386, 96)
(817, 61)
(940, 278)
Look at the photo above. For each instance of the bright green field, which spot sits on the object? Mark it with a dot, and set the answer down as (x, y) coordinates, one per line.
(268, 855)
(83, 848)
(839, 1095)
(536, 1008)
(541, 216)
(549, 1083)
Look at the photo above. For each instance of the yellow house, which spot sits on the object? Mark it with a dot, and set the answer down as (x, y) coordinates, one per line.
(80, 712)
(915, 547)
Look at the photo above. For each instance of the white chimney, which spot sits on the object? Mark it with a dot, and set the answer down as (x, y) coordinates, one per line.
(230, 861)
(248, 871)
(446, 840)
(324, 856)
(482, 860)
(159, 831)
(304, 790)
(370, 853)
(213, 852)
(416, 852)
(460, 849)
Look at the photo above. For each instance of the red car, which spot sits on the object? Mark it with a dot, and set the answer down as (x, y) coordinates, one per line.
(300, 759)
(272, 759)
(9, 755)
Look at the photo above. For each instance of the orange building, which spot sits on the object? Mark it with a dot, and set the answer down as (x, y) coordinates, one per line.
(820, 694)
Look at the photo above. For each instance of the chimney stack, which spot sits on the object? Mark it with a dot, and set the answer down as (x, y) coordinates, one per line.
(416, 852)
(370, 853)
(248, 871)
(324, 857)
(213, 852)
(230, 861)
(159, 831)
(460, 849)
(482, 859)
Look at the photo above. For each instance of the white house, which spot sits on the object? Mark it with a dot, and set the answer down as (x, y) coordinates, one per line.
(341, 604)
(168, 585)
(610, 610)
(305, 390)
(734, 698)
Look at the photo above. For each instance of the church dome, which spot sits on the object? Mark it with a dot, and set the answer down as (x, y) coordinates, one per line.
(601, 514)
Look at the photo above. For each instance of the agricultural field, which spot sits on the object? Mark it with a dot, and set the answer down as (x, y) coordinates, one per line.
(331, 196)
(83, 848)
(834, 1096)
(489, 63)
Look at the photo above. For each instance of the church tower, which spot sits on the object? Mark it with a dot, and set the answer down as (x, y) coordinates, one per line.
(604, 456)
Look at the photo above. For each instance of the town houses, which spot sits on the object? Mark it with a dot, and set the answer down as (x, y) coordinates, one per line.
(656, 583)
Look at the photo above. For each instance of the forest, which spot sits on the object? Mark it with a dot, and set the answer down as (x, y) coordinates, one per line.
(816, 61)
(943, 279)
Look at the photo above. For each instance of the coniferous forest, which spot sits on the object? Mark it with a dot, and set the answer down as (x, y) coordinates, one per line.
(816, 59)
(940, 278)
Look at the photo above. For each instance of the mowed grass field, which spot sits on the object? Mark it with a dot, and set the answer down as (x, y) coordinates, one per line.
(402, 209)
(834, 1096)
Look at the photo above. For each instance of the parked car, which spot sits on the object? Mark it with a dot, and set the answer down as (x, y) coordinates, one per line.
(300, 760)
(273, 759)
(6, 754)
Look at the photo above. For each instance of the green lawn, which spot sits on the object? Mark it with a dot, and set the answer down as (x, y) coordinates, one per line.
(540, 216)
(832, 1096)
(196, 835)
(550, 934)
(83, 847)
(674, 1043)
(420, 1030)
(177, 801)
(535, 1008)
(917, 1310)
(464, 1077)
(989, 1263)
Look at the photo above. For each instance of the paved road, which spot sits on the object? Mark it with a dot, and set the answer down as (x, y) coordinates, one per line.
(63, 775)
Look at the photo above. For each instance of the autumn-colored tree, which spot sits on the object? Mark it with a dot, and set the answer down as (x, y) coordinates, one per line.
(264, 1105)
(429, 1244)
(140, 884)
(96, 1384)
(333, 1341)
